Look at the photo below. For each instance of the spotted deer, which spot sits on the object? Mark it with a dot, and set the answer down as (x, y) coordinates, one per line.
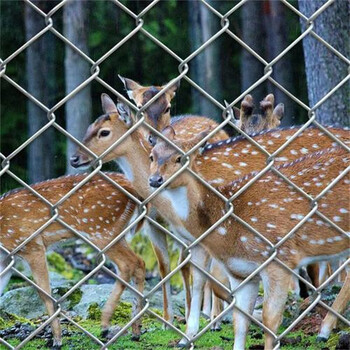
(97, 210)
(132, 156)
(240, 251)
(250, 122)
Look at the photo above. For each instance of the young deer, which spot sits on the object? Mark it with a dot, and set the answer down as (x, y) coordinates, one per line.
(252, 123)
(239, 250)
(97, 210)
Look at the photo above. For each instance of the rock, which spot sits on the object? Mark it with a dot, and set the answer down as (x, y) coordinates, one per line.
(98, 294)
(25, 302)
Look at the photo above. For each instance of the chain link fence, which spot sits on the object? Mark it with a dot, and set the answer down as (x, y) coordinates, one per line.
(228, 120)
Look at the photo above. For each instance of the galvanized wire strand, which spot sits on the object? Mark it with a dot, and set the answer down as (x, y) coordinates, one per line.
(228, 119)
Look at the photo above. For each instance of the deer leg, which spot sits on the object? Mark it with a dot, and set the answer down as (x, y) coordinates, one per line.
(38, 265)
(124, 258)
(4, 277)
(330, 321)
(139, 277)
(207, 299)
(216, 309)
(160, 247)
(276, 281)
(201, 257)
(314, 271)
(186, 280)
(245, 300)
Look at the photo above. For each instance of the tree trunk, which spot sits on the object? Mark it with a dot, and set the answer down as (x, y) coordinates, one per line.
(324, 70)
(40, 80)
(276, 42)
(78, 108)
(253, 35)
(205, 68)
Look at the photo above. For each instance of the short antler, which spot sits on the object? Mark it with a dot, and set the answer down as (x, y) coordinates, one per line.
(247, 106)
(267, 105)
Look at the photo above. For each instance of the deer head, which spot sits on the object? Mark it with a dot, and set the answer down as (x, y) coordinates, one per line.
(166, 160)
(102, 133)
(158, 113)
(251, 122)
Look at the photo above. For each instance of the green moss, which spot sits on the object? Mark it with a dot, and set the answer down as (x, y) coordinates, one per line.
(7, 319)
(94, 312)
(75, 298)
(121, 316)
(122, 313)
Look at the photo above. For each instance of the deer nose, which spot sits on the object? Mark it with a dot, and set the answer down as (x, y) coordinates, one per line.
(74, 161)
(156, 181)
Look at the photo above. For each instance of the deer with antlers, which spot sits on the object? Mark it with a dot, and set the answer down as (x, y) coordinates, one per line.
(240, 250)
(252, 123)
(97, 210)
(133, 156)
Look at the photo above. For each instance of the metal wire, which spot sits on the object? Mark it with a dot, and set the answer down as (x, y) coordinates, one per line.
(228, 119)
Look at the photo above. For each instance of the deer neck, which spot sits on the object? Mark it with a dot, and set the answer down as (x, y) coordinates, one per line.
(135, 166)
(191, 203)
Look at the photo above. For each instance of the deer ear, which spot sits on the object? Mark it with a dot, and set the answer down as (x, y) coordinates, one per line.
(108, 106)
(124, 113)
(236, 113)
(130, 86)
(279, 111)
(169, 132)
(198, 138)
(172, 90)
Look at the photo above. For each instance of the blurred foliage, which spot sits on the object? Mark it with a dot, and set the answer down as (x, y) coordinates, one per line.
(143, 246)
(58, 264)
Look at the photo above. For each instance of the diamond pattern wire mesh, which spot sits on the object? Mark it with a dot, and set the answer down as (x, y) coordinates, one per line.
(142, 205)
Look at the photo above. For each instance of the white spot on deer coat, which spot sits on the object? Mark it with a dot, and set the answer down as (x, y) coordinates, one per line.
(222, 231)
(229, 166)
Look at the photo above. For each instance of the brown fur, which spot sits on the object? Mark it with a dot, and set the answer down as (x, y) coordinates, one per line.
(315, 238)
(98, 208)
(237, 157)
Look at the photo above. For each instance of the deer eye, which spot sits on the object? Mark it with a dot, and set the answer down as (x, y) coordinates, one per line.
(151, 158)
(167, 110)
(151, 140)
(178, 160)
(104, 133)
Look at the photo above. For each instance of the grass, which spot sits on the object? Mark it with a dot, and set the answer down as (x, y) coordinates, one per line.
(155, 338)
